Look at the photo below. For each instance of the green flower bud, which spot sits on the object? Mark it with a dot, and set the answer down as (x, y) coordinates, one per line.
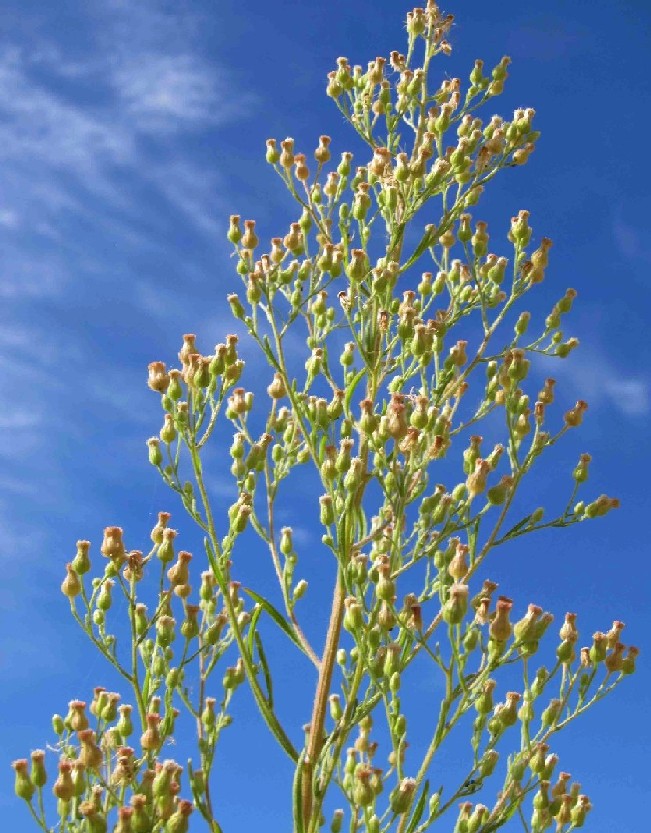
(327, 514)
(124, 724)
(104, 599)
(542, 675)
(234, 233)
(165, 630)
(480, 240)
(140, 619)
(565, 652)
(580, 811)
(168, 432)
(208, 716)
(23, 787)
(488, 762)
(401, 797)
(38, 775)
(522, 323)
(373, 824)
(353, 615)
(178, 822)
(336, 710)
(363, 793)
(161, 783)
(140, 820)
(337, 821)
(273, 154)
(599, 647)
(628, 662)
(78, 778)
(234, 676)
(456, 606)
(391, 661)
(81, 562)
(525, 629)
(580, 473)
(58, 724)
(508, 713)
(386, 588)
(63, 788)
(109, 710)
(71, 585)
(464, 232)
(155, 453)
(286, 545)
(165, 551)
(497, 494)
(236, 306)
(190, 625)
(537, 761)
(463, 817)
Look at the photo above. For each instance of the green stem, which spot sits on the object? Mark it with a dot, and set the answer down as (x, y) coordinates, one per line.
(263, 706)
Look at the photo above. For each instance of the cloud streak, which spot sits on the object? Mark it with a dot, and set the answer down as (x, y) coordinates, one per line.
(82, 139)
(101, 142)
(597, 380)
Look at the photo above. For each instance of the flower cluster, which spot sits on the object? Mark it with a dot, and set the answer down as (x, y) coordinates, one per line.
(389, 254)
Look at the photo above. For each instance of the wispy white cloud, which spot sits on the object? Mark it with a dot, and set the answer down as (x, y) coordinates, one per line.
(79, 137)
(597, 380)
(99, 171)
(94, 162)
(171, 93)
(630, 395)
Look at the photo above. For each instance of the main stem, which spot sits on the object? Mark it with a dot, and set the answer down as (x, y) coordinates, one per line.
(317, 723)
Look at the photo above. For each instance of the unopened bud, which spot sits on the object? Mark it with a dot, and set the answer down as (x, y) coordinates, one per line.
(71, 585)
(400, 798)
(23, 787)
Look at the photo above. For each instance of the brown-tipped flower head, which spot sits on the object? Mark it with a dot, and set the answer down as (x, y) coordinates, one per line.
(614, 633)
(178, 822)
(71, 585)
(525, 629)
(158, 379)
(90, 754)
(38, 775)
(568, 631)
(63, 788)
(574, 416)
(457, 604)
(151, 738)
(76, 718)
(81, 561)
(113, 545)
(476, 482)
(23, 787)
(458, 567)
(500, 628)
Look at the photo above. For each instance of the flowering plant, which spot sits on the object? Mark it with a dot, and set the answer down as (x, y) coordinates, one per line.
(400, 370)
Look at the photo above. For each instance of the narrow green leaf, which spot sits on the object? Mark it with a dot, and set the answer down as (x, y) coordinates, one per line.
(351, 390)
(275, 614)
(257, 613)
(265, 670)
(418, 809)
(297, 795)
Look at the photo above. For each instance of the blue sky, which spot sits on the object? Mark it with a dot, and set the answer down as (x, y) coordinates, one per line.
(128, 133)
